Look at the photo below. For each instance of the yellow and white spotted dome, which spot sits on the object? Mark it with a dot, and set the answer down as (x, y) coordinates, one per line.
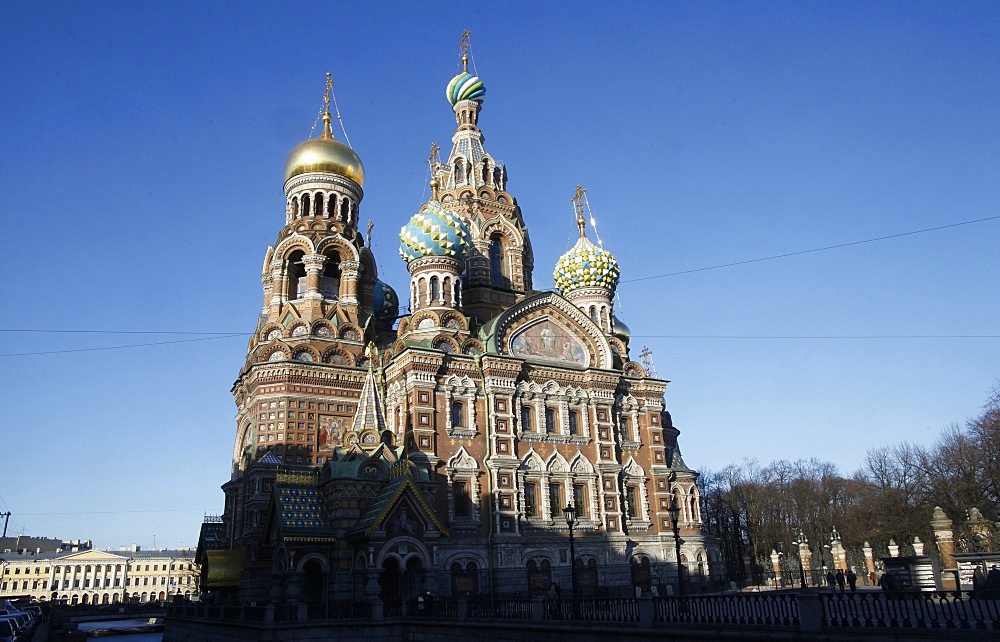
(586, 266)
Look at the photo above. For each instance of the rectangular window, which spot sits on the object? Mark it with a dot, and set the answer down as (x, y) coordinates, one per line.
(456, 414)
(574, 422)
(632, 496)
(526, 418)
(530, 500)
(580, 499)
(550, 420)
(463, 501)
(555, 501)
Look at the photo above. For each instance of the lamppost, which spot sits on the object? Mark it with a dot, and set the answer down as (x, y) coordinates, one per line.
(570, 514)
(675, 511)
(798, 544)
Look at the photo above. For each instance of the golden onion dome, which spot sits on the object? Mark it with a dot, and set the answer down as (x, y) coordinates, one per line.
(325, 154)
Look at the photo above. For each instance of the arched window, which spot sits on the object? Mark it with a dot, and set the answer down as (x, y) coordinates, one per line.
(496, 261)
(456, 413)
(296, 275)
(593, 314)
(331, 275)
(319, 204)
(306, 205)
(435, 289)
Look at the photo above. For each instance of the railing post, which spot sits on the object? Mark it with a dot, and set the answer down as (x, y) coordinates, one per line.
(378, 609)
(302, 612)
(269, 614)
(537, 609)
(647, 611)
(463, 608)
(810, 610)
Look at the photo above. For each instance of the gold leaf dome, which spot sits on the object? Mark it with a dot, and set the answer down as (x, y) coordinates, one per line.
(325, 154)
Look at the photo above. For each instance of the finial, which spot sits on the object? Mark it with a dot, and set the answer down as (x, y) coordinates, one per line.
(371, 354)
(647, 361)
(463, 44)
(578, 205)
(327, 120)
(432, 160)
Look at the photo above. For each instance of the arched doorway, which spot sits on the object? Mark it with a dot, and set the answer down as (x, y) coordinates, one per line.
(586, 576)
(539, 576)
(390, 580)
(640, 573)
(313, 582)
(413, 578)
(464, 581)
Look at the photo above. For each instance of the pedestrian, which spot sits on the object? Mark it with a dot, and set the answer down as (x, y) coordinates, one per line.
(885, 582)
(840, 580)
(831, 580)
(993, 579)
(852, 580)
(873, 578)
(979, 578)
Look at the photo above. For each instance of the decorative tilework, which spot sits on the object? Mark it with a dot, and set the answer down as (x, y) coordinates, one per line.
(465, 86)
(434, 231)
(586, 265)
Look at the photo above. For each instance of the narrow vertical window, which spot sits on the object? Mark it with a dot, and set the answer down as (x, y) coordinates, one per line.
(574, 422)
(496, 260)
(456, 414)
(550, 420)
(526, 418)
(555, 501)
(435, 290)
(580, 500)
(463, 501)
(530, 500)
(632, 496)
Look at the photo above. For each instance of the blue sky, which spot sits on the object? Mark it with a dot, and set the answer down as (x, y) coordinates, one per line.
(141, 184)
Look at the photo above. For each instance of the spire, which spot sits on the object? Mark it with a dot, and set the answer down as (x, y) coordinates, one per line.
(369, 413)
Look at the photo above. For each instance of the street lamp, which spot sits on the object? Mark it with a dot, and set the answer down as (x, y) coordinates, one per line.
(570, 514)
(675, 511)
(798, 544)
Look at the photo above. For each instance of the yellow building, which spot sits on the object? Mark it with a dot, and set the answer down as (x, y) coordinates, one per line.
(99, 577)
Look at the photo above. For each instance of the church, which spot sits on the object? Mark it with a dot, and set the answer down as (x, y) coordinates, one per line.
(494, 439)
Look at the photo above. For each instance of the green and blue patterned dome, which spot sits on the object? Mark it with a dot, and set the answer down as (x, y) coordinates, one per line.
(586, 266)
(465, 86)
(434, 231)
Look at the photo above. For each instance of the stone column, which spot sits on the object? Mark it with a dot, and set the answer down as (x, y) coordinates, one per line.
(776, 565)
(839, 554)
(941, 524)
(349, 273)
(313, 264)
(869, 558)
(918, 546)
(279, 282)
(893, 548)
(805, 558)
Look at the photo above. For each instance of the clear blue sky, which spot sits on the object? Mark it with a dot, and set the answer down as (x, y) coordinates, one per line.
(140, 184)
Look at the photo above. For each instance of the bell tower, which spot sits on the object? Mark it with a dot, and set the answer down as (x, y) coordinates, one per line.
(473, 184)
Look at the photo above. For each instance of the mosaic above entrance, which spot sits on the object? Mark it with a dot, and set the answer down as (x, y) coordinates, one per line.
(549, 341)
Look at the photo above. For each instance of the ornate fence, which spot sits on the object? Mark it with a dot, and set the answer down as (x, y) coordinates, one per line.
(800, 612)
(756, 609)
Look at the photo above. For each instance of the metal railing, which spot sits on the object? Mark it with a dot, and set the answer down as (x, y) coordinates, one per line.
(968, 611)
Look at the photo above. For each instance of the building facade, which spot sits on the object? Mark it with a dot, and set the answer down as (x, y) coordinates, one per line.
(99, 577)
(384, 455)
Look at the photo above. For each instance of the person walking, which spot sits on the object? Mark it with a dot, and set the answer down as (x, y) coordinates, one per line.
(852, 580)
(840, 580)
(831, 580)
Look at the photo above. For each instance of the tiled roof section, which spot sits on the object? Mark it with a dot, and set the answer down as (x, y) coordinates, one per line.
(369, 413)
(389, 496)
(270, 459)
(301, 513)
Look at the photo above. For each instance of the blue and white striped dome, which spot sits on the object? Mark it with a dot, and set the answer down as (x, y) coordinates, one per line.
(465, 86)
